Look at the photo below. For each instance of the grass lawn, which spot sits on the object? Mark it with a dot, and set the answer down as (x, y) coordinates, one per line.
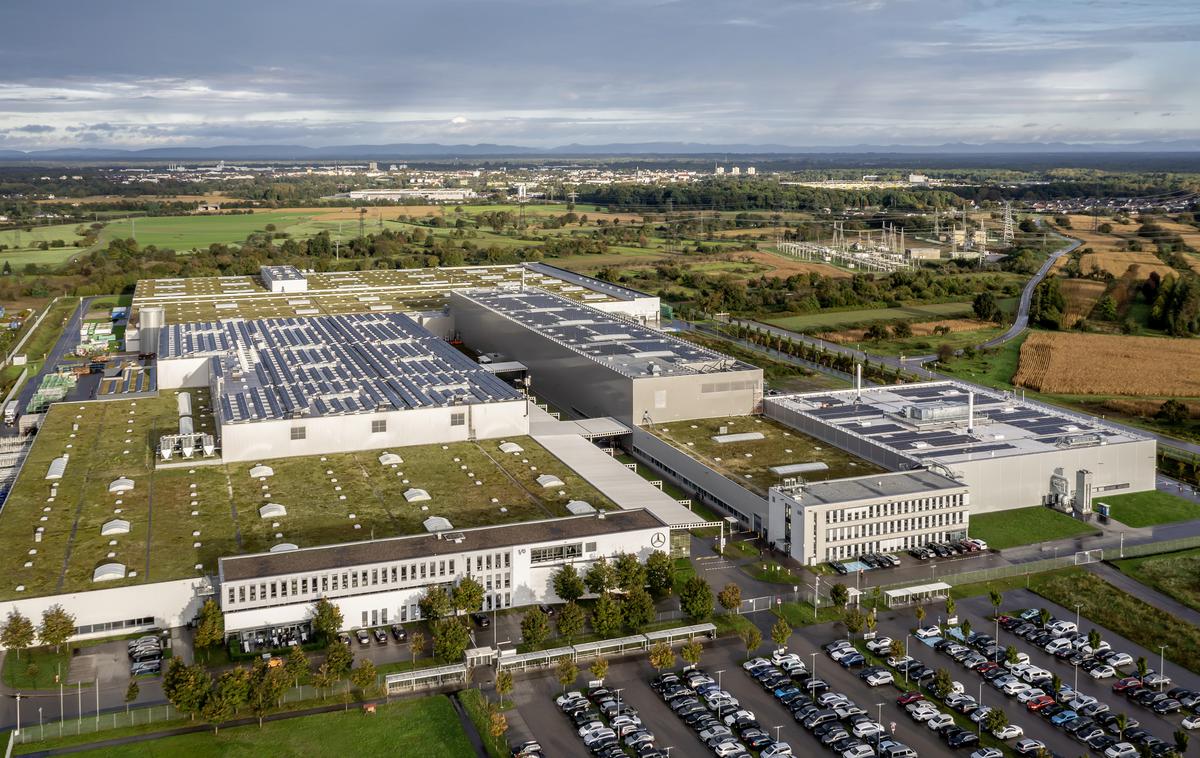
(828, 320)
(477, 707)
(1122, 613)
(1173, 574)
(36, 668)
(1149, 508)
(994, 367)
(801, 614)
(1025, 526)
(427, 727)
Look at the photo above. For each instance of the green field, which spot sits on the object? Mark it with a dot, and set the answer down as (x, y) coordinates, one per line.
(428, 728)
(1025, 526)
(1149, 508)
(1173, 574)
(827, 320)
(22, 245)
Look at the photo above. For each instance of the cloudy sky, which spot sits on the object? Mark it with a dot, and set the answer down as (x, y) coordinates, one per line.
(130, 73)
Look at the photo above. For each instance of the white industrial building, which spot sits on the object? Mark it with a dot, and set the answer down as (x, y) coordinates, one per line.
(844, 518)
(287, 387)
(283, 279)
(380, 581)
(591, 363)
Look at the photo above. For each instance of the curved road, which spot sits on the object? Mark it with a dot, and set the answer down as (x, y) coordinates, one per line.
(1021, 322)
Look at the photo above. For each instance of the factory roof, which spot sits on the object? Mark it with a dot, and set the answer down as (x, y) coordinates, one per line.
(281, 273)
(859, 488)
(330, 365)
(629, 348)
(427, 545)
(931, 421)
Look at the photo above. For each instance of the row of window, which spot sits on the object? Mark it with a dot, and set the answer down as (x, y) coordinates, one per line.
(112, 626)
(379, 425)
(897, 508)
(881, 528)
(845, 552)
(411, 572)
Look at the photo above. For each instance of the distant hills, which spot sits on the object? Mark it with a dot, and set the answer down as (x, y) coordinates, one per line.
(416, 150)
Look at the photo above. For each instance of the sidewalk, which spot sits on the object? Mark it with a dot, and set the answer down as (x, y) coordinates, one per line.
(1143, 592)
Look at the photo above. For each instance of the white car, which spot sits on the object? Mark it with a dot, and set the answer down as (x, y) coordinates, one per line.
(1008, 732)
(716, 731)
(880, 678)
(1028, 746)
(1057, 646)
(1029, 694)
(1154, 679)
(939, 721)
(565, 698)
(1191, 722)
(867, 729)
(1103, 672)
(755, 663)
(1015, 687)
(732, 718)
(1034, 672)
(879, 644)
(926, 632)
(778, 750)
(729, 748)
(1121, 750)
(1022, 660)
(980, 713)
(1117, 660)
(858, 751)
(1079, 701)
(987, 752)
(782, 654)
(895, 662)
(924, 714)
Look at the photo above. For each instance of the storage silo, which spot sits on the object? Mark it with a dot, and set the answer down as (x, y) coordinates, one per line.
(151, 320)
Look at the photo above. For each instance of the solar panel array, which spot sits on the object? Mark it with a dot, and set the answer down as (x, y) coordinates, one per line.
(331, 365)
(622, 345)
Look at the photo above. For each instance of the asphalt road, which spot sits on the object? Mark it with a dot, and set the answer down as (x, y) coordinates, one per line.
(1021, 322)
(66, 343)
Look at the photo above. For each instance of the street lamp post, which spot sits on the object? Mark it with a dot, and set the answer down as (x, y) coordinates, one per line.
(1075, 687)
(1162, 665)
(879, 734)
(718, 673)
(18, 699)
(906, 639)
(1077, 607)
(979, 703)
(812, 679)
(777, 728)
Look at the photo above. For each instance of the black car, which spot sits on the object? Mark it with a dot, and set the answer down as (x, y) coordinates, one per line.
(380, 636)
(961, 739)
(481, 620)
(399, 634)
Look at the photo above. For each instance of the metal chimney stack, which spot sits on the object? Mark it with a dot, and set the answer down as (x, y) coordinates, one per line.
(970, 411)
(858, 381)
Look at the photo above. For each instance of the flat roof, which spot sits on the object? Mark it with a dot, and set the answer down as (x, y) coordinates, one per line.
(928, 421)
(330, 365)
(405, 548)
(899, 484)
(621, 345)
(281, 273)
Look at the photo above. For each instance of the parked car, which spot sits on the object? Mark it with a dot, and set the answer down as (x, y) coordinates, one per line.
(399, 634)
(380, 636)
(481, 620)
(363, 638)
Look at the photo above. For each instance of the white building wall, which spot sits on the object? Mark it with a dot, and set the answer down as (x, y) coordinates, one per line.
(174, 373)
(262, 440)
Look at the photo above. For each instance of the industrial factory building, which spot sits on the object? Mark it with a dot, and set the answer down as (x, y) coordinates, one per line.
(287, 387)
(590, 363)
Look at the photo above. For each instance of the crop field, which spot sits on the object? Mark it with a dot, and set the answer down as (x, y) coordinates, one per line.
(1118, 262)
(920, 329)
(748, 463)
(22, 246)
(186, 516)
(836, 320)
(1103, 364)
(1081, 296)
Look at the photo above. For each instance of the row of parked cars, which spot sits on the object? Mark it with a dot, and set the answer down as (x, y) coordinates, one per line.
(364, 636)
(605, 724)
(1062, 639)
(948, 549)
(145, 655)
(716, 716)
(834, 720)
(870, 560)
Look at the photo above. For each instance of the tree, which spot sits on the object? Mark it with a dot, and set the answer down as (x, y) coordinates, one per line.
(1044, 617)
(599, 669)
(691, 652)
(17, 633)
(902, 330)
(696, 599)
(339, 658)
(601, 577)
(941, 683)
(995, 720)
(450, 640)
(535, 627)
(363, 677)
(839, 595)
(467, 595)
(1094, 641)
(638, 610)
(1011, 654)
(296, 665)
(58, 626)
(1056, 683)
(1173, 412)
(1105, 228)
(896, 649)
(872, 620)
(985, 307)
(1181, 741)
(854, 621)
(324, 679)
(131, 693)
(631, 575)
(662, 656)
(567, 672)
(226, 697)
(660, 574)
(1142, 667)
(920, 613)
(606, 616)
(781, 632)
(267, 685)
(965, 628)
(996, 599)
(568, 585)
(504, 684)
(211, 629)
(945, 353)
(570, 621)
(730, 597)
(497, 726)
(416, 644)
(326, 619)
(1122, 723)
(186, 687)
(435, 604)
(751, 638)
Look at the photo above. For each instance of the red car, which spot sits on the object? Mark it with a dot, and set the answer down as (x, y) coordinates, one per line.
(1128, 683)
(1039, 702)
(909, 697)
(983, 668)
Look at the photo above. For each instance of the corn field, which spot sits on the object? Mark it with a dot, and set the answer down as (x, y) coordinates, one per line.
(1102, 364)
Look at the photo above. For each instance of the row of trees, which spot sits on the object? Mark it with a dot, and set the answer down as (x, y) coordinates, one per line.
(18, 631)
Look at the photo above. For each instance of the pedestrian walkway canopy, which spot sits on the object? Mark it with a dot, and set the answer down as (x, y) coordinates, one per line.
(916, 594)
(689, 633)
(537, 658)
(615, 646)
(429, 677)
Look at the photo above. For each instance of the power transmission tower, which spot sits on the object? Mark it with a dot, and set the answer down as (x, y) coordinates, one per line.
(1008, 235)
(362, 223)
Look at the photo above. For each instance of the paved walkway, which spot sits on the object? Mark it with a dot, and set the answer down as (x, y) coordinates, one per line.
(1141, 591)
